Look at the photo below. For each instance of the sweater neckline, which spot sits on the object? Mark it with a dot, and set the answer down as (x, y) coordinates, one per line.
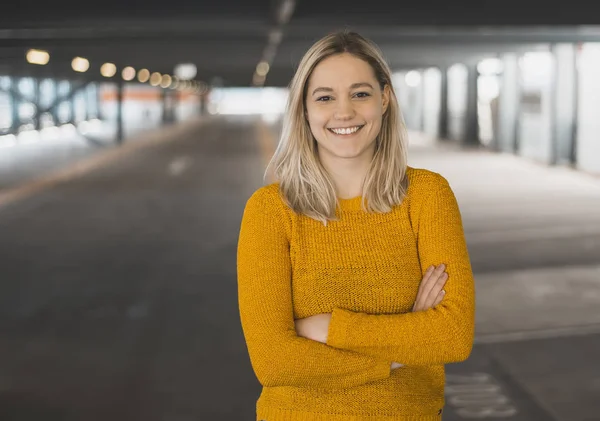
(353, 203)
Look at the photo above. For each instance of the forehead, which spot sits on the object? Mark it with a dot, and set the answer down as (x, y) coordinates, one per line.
(341, 70)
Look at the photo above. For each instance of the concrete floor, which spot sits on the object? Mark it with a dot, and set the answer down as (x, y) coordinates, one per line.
(118, 298)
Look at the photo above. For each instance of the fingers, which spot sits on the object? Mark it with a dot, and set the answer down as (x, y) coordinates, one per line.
(436, 287)
(427, 276)
(433, 282)
(428, 285)
(421, 295)
(439, 298)
(430, 290)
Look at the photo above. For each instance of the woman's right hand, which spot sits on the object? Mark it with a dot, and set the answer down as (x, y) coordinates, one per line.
(430, 293)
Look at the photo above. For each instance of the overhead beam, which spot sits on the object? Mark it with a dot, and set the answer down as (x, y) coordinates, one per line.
(296, 32)
(282, 13)
(89, 28)
(443, 13)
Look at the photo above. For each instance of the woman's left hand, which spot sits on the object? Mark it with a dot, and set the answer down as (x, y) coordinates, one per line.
(314, 327)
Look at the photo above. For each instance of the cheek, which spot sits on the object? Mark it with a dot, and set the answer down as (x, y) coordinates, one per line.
(316, 121)
(375, 117)
(373, 114)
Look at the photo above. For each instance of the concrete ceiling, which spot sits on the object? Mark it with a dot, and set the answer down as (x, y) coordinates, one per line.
(227, 39)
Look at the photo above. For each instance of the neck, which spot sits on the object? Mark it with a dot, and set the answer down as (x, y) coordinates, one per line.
(347, 174)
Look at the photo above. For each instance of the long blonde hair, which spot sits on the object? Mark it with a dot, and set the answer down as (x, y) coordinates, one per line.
(304, 184)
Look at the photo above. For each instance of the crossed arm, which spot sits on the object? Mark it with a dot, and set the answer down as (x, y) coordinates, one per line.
(440, 335)
(350, 348)
(430, 294)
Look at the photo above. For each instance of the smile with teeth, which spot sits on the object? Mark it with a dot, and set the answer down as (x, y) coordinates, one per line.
(345, 130)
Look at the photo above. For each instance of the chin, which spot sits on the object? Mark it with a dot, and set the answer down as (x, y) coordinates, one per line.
(346, 153)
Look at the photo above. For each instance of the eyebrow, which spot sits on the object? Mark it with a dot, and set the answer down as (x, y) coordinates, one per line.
(353, 86)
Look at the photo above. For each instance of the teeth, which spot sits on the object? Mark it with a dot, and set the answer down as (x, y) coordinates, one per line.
(347, 130)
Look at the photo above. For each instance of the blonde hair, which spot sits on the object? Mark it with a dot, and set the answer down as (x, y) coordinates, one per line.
(304, 184)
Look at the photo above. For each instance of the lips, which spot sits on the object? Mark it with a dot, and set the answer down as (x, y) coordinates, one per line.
(345, 131)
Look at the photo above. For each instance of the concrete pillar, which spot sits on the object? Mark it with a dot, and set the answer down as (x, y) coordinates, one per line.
(422, 106)
(15, 101)
(175, 104)
(168, 103)
(536, 79)
(508, 104)
(587, 148)
(414, 107)
(203, 104)
(165, 105)
(37, 102)
(564, 105)
(443, 117)
(399, 83)
(86, 96)
(98, 100)
(472, 128)
(71, 102)
(457, 101)
(54, 110)
(431, 101)
(119, 116)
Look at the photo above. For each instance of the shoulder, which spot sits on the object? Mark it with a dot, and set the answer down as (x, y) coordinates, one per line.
(432, 197)
(268, 193)
(423, 182)
(266, 205)
(265, 199)
(430, 193)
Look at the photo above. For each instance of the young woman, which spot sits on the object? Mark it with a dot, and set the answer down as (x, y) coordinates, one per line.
(342, 261)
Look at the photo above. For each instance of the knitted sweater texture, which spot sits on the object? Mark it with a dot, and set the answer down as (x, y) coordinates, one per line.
(364, 269)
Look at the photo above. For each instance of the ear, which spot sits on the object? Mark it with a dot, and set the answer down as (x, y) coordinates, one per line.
(385, 98)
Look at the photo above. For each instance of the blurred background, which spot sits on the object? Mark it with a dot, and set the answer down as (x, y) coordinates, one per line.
(132, 134)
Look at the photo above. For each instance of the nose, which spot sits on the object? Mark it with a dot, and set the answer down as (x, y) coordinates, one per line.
(344, 110)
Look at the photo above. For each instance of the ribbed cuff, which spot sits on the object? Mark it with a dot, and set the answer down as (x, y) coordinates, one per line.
(337, 335)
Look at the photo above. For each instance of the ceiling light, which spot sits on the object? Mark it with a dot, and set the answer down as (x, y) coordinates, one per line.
(262, 68)
(155, 79)
(80, 64)
(165, 81)
(286, 8)
(143, 75)
(40, 57)
(108, 70)
(186, 71)
(128, 73)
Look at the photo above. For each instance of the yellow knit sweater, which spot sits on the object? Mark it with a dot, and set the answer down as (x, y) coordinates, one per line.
(364, 269)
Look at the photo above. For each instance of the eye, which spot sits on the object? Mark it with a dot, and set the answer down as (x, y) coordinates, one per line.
(362, 94)
(323, 98)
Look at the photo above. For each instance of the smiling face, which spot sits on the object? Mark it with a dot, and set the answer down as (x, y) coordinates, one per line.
(344, 108)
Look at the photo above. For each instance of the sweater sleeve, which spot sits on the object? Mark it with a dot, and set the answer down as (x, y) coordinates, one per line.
(440, 335)
(278, 356)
